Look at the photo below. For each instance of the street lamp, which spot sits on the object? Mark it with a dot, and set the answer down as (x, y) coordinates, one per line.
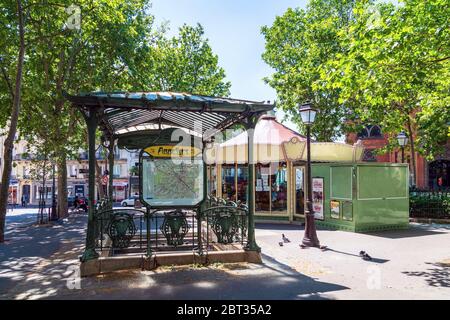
(310, 239)
(402, 139)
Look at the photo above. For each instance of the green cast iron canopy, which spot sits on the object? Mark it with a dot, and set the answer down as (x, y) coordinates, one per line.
(123, 110)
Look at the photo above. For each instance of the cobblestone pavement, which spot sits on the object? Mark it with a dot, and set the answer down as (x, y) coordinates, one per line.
(39, 262)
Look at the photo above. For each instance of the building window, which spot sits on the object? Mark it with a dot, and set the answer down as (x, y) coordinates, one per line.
(375, 132)
(369, 155)
(370, 131)
(439, 174)
(116, 172)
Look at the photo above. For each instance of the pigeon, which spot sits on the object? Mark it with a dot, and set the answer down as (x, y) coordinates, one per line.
(285, 240)
(280, 243)
(364, 255)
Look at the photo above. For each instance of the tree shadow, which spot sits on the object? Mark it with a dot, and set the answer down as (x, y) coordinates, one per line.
(39, 263)
(438, 275)
(37, 257)
(271, 280)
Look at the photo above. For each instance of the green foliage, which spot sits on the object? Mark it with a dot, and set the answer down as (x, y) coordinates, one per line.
(366, 62)
(298, 44)
(395, 70)
(116, 48)
(185, 63)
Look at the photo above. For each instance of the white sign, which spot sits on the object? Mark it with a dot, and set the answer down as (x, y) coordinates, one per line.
(259, 185)
(317, 196)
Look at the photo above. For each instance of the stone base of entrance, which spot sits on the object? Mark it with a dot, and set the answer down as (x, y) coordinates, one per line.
(110, 264)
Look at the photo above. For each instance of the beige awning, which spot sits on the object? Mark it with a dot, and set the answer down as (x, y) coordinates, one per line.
(292, 150)
(295, 150)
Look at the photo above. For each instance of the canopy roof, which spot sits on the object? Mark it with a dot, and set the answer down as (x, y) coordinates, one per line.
(123, 110)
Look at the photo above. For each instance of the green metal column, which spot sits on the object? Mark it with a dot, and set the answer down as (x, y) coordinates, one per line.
(111, 169)
(89, 252)
(203, 205)
(251, 241)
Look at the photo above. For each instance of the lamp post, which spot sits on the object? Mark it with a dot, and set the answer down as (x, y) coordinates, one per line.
(308, 115)
(402, 139)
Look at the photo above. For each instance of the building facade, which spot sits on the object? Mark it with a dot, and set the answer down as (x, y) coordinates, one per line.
(430, 175)
(27, 185)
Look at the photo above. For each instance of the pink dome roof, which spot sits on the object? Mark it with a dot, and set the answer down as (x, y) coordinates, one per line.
(267, 131)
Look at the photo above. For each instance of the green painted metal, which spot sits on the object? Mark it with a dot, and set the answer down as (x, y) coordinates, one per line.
(225, 224)
(111, 168)
(371, 196)
(137, 140)
(90, 253)
(251, 245)
(174, 227)
(128, 109)
(121, 229)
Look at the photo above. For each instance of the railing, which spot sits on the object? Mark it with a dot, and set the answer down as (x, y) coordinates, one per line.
(429, 203)
(219, 225)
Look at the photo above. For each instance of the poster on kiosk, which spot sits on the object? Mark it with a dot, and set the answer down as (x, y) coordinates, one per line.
(317, 197)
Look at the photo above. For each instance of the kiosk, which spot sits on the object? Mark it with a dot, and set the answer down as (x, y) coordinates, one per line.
(361, 196)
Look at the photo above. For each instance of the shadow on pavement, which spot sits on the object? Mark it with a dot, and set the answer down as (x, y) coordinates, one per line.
(35, 259)
(376, 260)
(413, 231)
(271, 280)
(436, 276)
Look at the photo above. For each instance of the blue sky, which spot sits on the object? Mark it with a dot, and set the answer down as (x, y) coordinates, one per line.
(233, 29)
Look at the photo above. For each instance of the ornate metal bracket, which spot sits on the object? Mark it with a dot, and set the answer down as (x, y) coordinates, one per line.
(175, 227)
(121, 229)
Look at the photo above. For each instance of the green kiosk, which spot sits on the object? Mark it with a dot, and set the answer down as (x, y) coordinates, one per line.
(362, 196)
(349, 194)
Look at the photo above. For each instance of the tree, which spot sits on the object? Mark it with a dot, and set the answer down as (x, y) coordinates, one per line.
(185, 63)
(86, 56)
(15, 95)
(395, 71)
(298, 44)
(87, 45)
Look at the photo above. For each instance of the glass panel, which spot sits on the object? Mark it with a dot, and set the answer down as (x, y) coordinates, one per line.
(166, 182)
(228, 182)
(299, 191)
(279, 189)
(242, 182)
(262, 194)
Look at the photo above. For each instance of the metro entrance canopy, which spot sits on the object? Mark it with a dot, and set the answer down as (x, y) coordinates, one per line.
(138, 116)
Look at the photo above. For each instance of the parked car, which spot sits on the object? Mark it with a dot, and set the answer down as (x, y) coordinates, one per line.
(129, 201)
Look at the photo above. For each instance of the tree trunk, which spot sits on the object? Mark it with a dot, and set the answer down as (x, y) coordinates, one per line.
(9, 142)
(63, 208)
(413, 151)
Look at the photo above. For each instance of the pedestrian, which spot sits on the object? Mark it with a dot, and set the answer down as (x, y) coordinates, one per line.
(24, 202)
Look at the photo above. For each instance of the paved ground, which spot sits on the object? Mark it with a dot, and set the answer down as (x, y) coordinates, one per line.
(39, 262)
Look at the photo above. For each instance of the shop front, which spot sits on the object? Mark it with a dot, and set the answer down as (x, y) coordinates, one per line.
(280, 171)
(229, 172)
(120, 190)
